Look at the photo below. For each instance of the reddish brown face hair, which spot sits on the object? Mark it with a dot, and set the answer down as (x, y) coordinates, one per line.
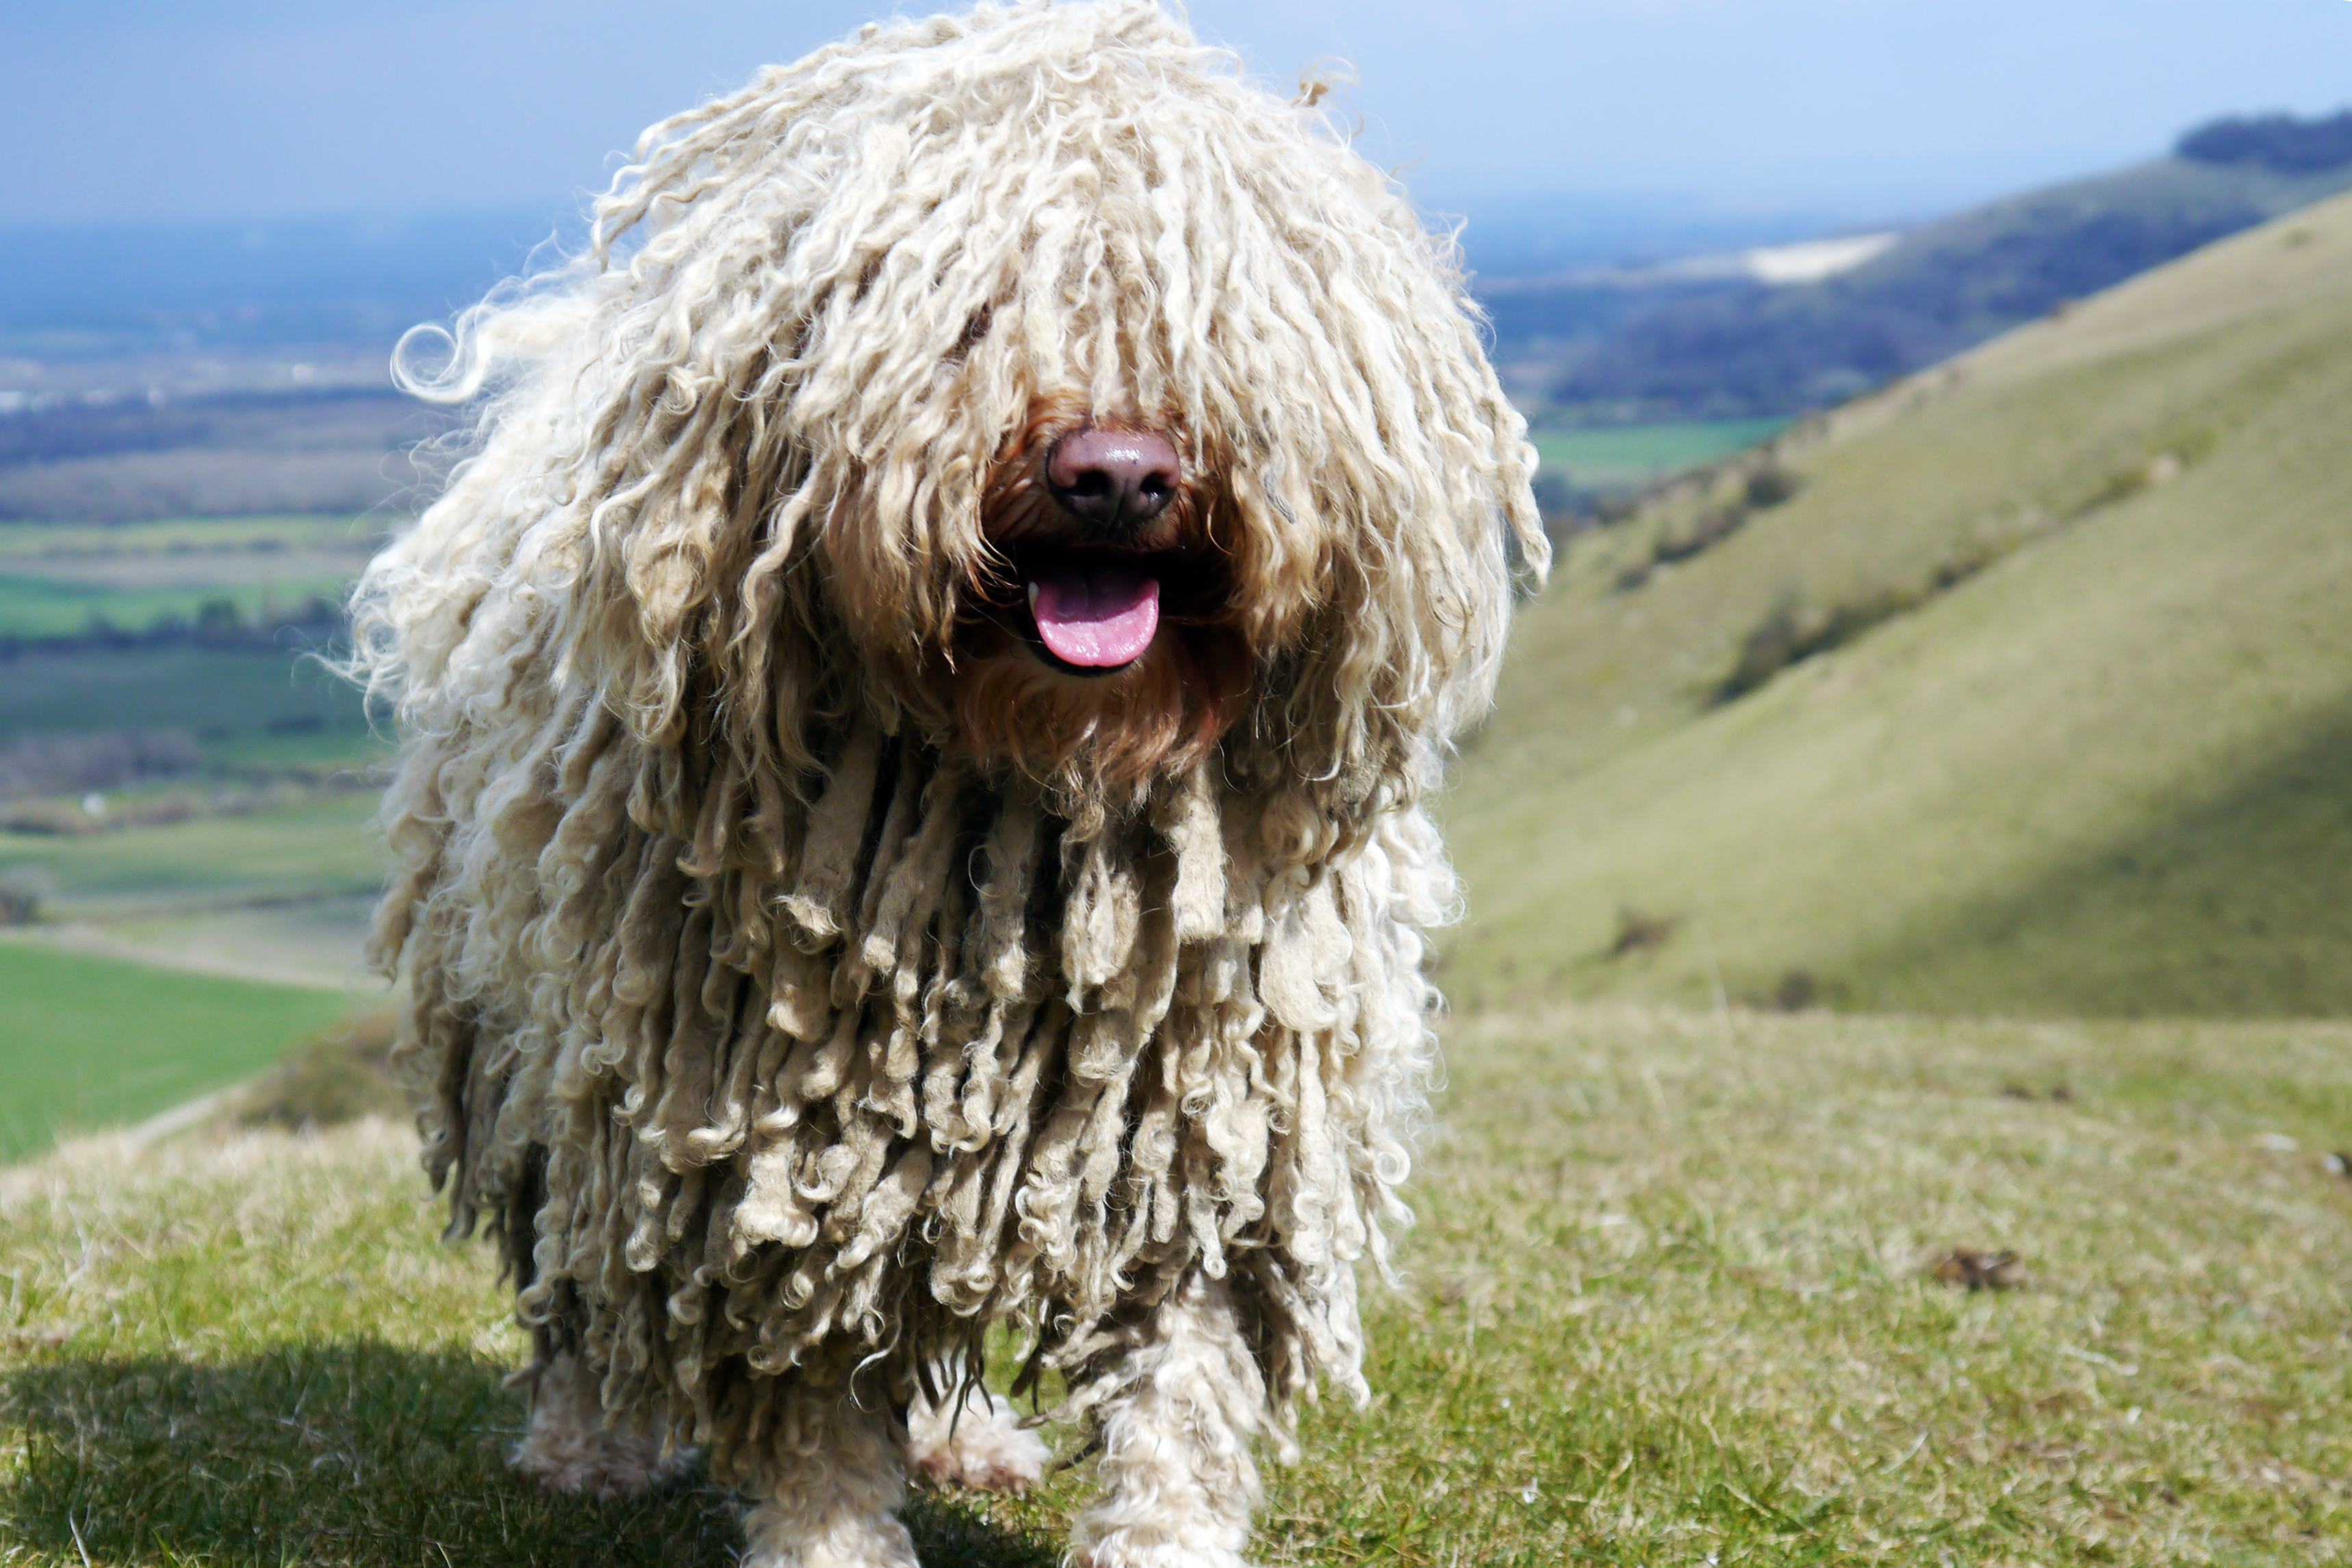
(1103, 636)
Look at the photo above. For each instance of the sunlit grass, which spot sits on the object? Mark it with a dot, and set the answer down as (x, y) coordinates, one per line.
(1667, 1304)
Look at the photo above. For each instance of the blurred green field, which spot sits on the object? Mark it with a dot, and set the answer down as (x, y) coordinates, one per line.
(2088, 749)
(245, 707)
(184, 538)
(215, 898)
(1613, 458)
(173, 957)
(88, 1042)
(62, 580)
(42, 606)
(310, 846)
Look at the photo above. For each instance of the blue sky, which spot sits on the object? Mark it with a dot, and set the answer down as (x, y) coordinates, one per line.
(237, 109)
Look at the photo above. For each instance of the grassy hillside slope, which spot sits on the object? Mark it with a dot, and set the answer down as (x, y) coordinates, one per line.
(1669, 1303)
(2082, 743)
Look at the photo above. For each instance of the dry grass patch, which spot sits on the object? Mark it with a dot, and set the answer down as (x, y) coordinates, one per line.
(1674, 1301)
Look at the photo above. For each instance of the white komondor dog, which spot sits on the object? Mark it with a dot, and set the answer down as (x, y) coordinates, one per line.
(917, 705)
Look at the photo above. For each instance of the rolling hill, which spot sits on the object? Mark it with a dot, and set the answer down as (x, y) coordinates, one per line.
(2022, 688)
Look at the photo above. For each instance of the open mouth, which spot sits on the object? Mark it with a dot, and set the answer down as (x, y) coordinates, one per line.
(1094, 612)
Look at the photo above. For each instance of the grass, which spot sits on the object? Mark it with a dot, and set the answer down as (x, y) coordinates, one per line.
(264, 878)
(90, 1042)
(1612, 457)
(260, 883)
(2098, 767)
(1668, 1305)
(314, 939)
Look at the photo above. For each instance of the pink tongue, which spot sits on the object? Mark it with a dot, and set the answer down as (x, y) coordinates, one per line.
(1095, 614)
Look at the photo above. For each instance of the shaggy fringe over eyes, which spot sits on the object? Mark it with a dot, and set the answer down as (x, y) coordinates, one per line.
(828, 1031)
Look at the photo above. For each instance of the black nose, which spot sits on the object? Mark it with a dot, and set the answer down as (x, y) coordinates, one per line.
(1117, 479)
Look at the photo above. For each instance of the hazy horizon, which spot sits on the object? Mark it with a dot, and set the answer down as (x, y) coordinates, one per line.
(263, 110)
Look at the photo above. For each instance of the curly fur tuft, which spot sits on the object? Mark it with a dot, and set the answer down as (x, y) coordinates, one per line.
(801, 974)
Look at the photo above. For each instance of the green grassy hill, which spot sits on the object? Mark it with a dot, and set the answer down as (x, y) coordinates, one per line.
(2075, 732)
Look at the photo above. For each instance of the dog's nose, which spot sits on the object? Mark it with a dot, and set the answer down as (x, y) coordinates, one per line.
(1117, 480)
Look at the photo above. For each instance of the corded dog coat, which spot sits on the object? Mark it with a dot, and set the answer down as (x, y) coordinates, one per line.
(805, 965)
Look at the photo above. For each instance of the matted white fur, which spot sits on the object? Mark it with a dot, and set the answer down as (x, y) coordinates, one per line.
(790, 1030)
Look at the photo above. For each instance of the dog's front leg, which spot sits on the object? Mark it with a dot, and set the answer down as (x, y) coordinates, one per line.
(826, 1493)
(1176, 1443)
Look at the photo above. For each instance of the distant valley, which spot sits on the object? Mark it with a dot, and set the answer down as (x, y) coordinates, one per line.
(233, 370)
(1726, 337)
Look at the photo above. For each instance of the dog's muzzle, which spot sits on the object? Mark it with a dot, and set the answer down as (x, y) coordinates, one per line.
(1095, 598)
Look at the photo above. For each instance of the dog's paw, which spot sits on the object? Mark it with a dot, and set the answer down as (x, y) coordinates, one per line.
(1005, 1461)
(783, 1533)
(599, 1463)
(571, 1447)
(1126, 1549)
(985, 1447)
